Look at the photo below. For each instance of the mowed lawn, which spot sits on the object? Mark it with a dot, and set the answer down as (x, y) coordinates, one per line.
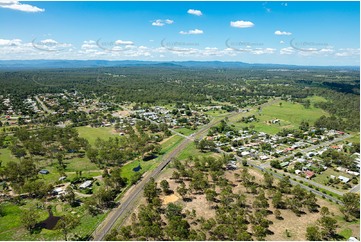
(290, 115)
(91, 134)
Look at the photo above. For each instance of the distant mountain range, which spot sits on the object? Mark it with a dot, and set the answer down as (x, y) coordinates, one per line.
(46, 64)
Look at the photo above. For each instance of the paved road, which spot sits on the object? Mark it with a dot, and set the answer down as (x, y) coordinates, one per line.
(126, 204)
(43, 106)
(355, 189)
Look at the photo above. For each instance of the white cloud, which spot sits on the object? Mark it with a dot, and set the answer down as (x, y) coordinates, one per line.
(15, 5)
(194, 31)
(241, 24)
(49, 48)
(287, 51)
(89, 44)
(195, 12)
(282, 42)
(124, 42)
(347, 52)
(160, 22)
(13, 42)
(278, 32)
(48, 41)
(261, 51)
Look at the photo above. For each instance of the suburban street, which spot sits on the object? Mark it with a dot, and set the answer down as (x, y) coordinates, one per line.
(308, 149)
(355, 188)
(43, 106)
(264, 166)
(279, 176)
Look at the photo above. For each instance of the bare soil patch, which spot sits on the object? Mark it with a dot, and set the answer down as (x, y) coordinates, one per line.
(169, 199)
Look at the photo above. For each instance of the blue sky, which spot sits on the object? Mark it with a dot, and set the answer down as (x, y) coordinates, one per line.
(303, 33)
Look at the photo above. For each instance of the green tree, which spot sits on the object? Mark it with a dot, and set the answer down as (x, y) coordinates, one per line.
(211, 195)
(150, 223)
(277, 201)
(182, 190)
(70, 196)
(351, 207)
(328, 226)
(29, 219)
(268, 180)
(165, 186)
(313, 233)
(259, 232)
(67, 223)
(150, 190)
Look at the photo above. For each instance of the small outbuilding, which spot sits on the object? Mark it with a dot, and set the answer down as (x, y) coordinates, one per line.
(86, 184)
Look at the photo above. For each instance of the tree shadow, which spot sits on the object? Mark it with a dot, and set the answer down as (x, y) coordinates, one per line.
(187, 199)
(169, 192)
(339, 237)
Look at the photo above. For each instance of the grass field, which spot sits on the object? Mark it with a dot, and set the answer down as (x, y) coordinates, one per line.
(316, 99)
(355, 138)
(216, 113)
(346, 233)
(191, 150)
(185, 131)
(91, 134)
(322, 178)
(168, 145)
(290, 115)
(11, 227)
(5, 156)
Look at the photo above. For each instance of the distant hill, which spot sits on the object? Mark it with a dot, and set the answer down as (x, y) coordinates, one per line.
(46, 64)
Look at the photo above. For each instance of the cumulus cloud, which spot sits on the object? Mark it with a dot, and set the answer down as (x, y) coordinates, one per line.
(287, 51)
(124, 42)
(7, 42)
(195, 12)
(278, 32)
(194, 31)
(161, 22)
(282, 42)
(16, 5)
(261, 51)
(241, 24)
(347, 52)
